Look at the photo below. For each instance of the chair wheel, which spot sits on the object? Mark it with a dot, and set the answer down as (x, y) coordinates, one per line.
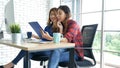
(44, 66)
(41, 63)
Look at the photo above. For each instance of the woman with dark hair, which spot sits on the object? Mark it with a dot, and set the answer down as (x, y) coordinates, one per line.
(72, 34)
(50, 28)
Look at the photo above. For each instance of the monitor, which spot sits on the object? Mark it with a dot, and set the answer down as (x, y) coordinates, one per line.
(9, 15)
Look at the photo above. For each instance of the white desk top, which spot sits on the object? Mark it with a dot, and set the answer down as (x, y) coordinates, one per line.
(38, 46)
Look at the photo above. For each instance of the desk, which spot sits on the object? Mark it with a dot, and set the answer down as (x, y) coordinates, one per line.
(33, 47)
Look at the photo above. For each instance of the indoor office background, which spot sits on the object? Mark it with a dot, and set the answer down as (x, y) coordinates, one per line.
(105, 13)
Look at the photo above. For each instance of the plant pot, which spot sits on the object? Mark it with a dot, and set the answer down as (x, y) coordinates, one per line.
(16, 38)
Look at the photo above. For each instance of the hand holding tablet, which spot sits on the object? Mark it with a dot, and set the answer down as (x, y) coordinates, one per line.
(35, 25)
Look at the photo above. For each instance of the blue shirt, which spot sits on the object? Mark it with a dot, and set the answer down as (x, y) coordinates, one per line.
(49, 30)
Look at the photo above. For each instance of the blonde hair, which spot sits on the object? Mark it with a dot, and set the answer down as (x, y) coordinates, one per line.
(55, 27)
(52, 10)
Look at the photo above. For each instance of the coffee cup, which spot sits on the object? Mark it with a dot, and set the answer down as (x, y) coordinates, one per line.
(29, 35)
(57, 37)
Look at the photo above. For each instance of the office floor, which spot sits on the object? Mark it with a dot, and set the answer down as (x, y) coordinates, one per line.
(34, 64)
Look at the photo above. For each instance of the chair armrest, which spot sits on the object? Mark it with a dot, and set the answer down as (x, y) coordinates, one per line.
(85, 48)
(89, 59)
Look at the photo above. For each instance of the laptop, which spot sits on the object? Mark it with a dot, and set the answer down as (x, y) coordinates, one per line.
(35, 25)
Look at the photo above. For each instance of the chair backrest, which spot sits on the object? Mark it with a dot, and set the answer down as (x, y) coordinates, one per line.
(88, 33)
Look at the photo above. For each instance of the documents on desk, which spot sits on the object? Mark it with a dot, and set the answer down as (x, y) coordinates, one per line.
(36, 41)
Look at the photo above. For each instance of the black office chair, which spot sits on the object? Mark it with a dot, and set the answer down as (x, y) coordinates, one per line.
(42, 59)
(88, 33)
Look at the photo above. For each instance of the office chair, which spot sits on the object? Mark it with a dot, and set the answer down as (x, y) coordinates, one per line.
(88, 33)
(42, 59)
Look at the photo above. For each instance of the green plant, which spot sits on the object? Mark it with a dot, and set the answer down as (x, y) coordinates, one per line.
(15, 28)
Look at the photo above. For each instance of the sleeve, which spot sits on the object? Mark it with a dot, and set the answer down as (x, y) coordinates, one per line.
(46, 28)
(71, 32)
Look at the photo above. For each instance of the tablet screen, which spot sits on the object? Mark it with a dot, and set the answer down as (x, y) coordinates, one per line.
(36, 27)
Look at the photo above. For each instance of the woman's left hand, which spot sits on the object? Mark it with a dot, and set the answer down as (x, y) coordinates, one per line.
(64, 40)
(46, 36)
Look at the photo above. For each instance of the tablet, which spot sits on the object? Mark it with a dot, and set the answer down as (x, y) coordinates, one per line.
(36, 27)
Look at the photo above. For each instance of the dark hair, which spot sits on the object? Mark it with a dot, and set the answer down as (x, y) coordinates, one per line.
(66, 10)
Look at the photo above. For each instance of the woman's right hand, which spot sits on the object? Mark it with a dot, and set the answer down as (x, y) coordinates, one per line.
(35, 36)
(60, 26)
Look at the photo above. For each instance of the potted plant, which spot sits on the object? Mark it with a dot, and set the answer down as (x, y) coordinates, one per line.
(16, 33)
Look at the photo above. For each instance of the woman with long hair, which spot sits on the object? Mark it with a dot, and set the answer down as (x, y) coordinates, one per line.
(72, 34)
(50, 28)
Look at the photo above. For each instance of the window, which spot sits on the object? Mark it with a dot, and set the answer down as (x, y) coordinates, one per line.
(92, 13)
(112, 4)
(91, 5)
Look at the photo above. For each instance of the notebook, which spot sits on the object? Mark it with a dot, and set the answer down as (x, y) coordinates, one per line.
(36, 41)
(36, 26)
